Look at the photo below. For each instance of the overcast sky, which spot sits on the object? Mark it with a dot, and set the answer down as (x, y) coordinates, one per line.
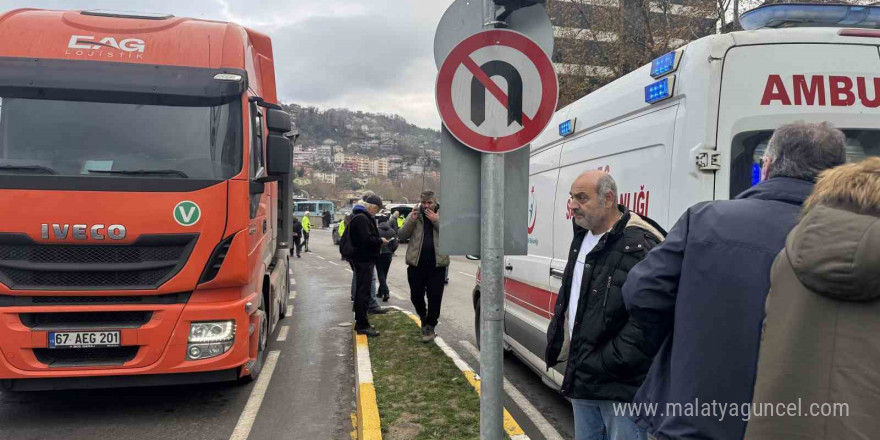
(371, 55)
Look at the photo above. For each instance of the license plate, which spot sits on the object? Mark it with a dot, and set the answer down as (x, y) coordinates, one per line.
(84, 339)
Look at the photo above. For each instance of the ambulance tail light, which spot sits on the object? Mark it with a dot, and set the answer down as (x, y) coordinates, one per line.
(666, 64)
(566, 128)
(660, 90)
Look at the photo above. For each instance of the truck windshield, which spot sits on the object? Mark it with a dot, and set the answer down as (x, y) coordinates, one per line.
(119, 140)
(748, 148)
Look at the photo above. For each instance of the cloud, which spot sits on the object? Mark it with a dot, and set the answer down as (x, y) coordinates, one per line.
(371, 55)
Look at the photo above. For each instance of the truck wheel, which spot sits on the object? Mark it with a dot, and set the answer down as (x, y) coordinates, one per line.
(263, 341)
(283, 313)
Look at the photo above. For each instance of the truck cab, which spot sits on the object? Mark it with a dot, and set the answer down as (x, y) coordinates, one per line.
(153, 178)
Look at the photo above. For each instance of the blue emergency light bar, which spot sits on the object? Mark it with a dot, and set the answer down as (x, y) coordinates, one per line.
(811, 15)
(666, 64)
(660, 90)
(566, 128)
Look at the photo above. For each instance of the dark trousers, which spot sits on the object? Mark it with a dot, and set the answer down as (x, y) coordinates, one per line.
(383, 264)
(306, 240)
(297, 242)
(363, 273)
(426, 281)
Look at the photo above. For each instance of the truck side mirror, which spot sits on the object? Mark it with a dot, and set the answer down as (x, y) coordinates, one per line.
(278, 120)
(279, 155)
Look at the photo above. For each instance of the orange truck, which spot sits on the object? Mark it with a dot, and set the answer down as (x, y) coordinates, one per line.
(144, 182)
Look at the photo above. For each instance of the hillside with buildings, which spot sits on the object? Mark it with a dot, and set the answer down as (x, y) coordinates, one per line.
(341, 153)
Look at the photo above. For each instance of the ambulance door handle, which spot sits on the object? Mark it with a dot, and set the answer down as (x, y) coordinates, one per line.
(508, 267)
(556, 273)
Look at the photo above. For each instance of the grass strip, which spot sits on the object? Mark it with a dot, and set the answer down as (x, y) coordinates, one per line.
(421, 394)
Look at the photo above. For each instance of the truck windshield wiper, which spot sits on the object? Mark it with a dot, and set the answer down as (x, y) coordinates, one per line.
(142, 172)
(37, 168)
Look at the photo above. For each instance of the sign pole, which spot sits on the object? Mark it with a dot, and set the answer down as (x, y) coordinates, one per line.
(492, 283)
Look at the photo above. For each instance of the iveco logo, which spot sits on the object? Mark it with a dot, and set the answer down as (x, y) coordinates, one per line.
(82, 232)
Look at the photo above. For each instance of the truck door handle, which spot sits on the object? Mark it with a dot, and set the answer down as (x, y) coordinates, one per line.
(508, 267)
(556, 273)
(265, 226)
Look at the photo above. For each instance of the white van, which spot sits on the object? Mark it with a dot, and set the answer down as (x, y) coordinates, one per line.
(713, 106)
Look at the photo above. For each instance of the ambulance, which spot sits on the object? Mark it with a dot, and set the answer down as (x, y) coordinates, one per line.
(690, 127)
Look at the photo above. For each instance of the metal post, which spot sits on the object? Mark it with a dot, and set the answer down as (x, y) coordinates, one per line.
(492, 283)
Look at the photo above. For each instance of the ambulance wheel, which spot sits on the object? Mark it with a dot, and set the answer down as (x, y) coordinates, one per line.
(263, 341)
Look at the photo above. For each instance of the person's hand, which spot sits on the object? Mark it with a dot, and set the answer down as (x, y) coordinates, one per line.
(384, 240)
(433, 216)
(414, 214)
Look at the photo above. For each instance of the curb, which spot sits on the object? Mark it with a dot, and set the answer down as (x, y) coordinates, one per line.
(511, 427)
(368, 424)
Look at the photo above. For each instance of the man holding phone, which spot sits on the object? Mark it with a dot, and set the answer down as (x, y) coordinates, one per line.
(426, 269)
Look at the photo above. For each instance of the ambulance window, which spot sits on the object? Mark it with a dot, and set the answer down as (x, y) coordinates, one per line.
(748, 148)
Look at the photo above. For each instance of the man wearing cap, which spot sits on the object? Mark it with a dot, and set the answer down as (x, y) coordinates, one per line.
(360, 245)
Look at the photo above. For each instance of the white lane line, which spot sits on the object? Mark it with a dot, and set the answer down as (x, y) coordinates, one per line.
(293, 294)
(468, 275)
(282, 334)
(348, 270)
(335, 264)
(249, 414)
(320, 257)
(292, 281)
(290, 271)
(396, 296)
(546, 429)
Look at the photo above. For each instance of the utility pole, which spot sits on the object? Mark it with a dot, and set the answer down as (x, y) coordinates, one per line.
(492, 283)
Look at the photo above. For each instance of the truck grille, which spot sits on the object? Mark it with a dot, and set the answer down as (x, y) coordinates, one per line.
(144, 264)
(85, 357)
(85, 320)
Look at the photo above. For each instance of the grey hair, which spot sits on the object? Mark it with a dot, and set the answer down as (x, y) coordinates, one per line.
(428, 195)
(605, 184)
(802, 150)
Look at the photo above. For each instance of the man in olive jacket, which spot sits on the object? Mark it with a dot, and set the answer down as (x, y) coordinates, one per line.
(820, 348)
(608, 241)
(426, 266)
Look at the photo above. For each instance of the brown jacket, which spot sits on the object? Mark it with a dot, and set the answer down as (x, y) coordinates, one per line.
(414, 231)
(821, 341)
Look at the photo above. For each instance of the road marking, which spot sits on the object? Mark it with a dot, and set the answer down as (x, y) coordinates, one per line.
(292, 281)
(546, 429)
(320, 257)
(395, 295)
(282, 334)
(249, 414)
(335, 264)
(467, 275)
(293, 294)
(368, 423)
(348, 270)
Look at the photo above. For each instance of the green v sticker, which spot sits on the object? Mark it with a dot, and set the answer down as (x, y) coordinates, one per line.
(187, 213)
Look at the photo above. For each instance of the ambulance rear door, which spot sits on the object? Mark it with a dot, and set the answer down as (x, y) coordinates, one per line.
(765, 86)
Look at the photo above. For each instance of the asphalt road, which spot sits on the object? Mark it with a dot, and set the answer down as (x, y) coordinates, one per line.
(308, 395)
(456, 327)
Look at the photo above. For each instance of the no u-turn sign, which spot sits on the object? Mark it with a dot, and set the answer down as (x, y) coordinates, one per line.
(496, 91)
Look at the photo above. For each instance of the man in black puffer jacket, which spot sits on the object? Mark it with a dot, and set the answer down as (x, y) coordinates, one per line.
(608, 241)
(360, 244)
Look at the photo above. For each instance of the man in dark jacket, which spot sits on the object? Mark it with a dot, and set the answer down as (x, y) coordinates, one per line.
(383, 264)
(297, 236)
(699, 296)
(360, 244)
(820, 346)
(608, 241)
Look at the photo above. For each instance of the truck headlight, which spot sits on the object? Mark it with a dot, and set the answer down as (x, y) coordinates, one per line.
(210, 339)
